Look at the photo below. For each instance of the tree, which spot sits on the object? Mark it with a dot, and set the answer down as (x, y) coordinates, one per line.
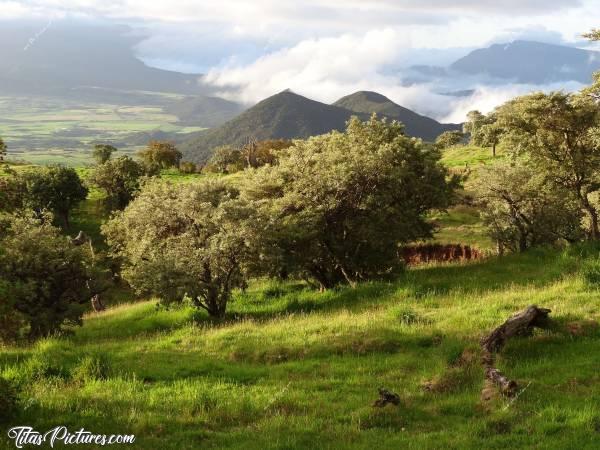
(161, 155)
(43, 277)
(484, 130)
(522, 209)
(184, 241)
(3, 149)
(558, 132)
(103, 152)
(56, 188)
(594, 90)
(119, 178)
(12, 191)
(256, 154)
(449, 139)
(338, 205)
(225, 159)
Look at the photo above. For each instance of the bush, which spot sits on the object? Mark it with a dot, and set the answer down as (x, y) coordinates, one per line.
(43, 278)
(8, 401)
(91, 368)
(337, 206)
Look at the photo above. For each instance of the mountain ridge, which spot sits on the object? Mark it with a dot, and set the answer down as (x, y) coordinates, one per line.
(288, 115)
(530, 62)
(417, 125)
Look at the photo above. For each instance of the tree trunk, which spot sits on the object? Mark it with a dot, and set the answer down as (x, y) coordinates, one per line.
(522, 243)
(594, 233)
(592, 213)
(350, 281)
(494, 150)
(520, 324)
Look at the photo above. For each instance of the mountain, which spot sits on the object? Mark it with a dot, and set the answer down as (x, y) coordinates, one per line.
(283, 116)
(530, 62)
(205, 111)
(415, 124)
(56, 58)
(289, 115)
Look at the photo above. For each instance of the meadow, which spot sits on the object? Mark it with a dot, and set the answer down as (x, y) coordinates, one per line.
(289, 367)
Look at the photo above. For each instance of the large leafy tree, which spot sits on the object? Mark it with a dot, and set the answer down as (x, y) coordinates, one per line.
(56, 188)
(484, 130)
(160, 155)
(558, 133)
(522, 209)
(338, 205)
(43, 277)
(449, 139)
(225, 159)
(103, 152)
(260, 153)
(12, 191)
(184, 241)
(119, 178)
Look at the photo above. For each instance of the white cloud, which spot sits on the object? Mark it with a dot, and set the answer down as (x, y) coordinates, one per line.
(324, 68)
(329, 68)
(326, 48)
(486, 98)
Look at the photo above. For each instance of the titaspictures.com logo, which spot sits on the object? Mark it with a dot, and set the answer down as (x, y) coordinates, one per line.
(24, 435)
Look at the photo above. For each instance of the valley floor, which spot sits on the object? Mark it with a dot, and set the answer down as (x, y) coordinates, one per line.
(292, 368)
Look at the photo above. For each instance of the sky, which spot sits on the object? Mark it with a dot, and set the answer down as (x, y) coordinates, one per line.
(326, 48)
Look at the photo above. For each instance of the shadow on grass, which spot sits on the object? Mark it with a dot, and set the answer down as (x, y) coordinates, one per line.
(535, 268)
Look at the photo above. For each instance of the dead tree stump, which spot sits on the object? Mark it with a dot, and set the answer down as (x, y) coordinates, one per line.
(521, 324)
(386, 397)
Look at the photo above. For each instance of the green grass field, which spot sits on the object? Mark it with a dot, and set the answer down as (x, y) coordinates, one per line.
(292, 368)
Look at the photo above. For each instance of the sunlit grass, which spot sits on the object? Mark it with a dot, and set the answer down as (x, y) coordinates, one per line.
(293, 368)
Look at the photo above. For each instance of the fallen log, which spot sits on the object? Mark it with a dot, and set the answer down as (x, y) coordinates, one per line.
(521, 324)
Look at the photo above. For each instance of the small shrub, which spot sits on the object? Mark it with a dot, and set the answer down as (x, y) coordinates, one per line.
(8, 401)
(91, 368)
(408, 317)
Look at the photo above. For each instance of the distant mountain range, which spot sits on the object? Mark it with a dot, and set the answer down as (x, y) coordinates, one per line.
(98, 64)
(289, 115)
(56, 60)
(524, 62)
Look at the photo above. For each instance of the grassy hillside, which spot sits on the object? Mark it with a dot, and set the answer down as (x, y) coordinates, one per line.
(291, 368)
(208, 111)
(283, 116)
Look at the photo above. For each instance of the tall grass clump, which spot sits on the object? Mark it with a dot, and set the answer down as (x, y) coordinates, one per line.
(91, 368)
